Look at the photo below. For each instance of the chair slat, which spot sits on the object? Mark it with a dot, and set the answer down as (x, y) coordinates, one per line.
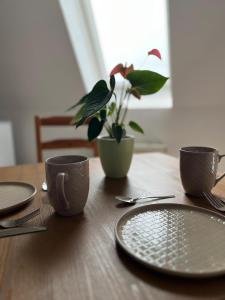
(59, 143)
(56, 121)
(66, 143)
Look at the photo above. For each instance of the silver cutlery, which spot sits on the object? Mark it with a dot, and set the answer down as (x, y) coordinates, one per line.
(20, 221)
(215, 201)
(44, 187)
(21, 230)
(131, 200)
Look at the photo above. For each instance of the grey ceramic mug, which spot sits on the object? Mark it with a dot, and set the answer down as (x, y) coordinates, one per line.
(198, 169)
(68, 183)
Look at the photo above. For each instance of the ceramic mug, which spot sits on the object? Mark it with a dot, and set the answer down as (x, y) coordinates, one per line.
(198, 169)
(68, 183)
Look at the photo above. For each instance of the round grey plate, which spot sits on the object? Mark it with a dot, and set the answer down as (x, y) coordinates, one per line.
(175, 239)
(15, 194)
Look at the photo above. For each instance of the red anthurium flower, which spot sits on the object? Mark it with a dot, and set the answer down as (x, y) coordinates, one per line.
(122, 70)
(155, 52)
(116, 69)
(127, 70)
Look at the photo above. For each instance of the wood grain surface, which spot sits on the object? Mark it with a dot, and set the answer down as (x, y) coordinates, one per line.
(77, 257)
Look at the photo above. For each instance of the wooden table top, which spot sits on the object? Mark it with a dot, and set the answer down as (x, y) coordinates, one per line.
(77, 257)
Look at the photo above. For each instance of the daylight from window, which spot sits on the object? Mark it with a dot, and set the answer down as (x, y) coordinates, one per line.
(127, 30)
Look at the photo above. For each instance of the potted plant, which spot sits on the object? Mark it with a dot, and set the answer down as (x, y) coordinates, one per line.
(106, 107)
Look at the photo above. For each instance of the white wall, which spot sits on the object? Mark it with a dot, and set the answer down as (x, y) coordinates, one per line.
(7, 155)
(197, 43)
(39, 73)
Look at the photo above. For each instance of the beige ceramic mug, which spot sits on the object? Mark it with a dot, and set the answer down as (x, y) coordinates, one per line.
(198, 169)
(68, 183)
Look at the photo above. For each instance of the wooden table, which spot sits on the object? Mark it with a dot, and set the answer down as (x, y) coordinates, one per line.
(77, 257)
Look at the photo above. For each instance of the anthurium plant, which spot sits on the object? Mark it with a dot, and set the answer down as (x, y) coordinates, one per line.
(105, 107)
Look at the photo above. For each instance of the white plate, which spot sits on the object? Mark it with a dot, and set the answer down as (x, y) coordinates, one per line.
(175, 239)
(15, 194)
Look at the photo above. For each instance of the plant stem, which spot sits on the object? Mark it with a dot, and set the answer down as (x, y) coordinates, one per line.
(118, 114)
(126, 109)
(116, 100)
(108, 129)
(112, 119)
(122, 97)
(122, 92)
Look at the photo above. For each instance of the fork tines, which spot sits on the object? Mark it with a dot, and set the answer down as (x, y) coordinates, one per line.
(214, 201)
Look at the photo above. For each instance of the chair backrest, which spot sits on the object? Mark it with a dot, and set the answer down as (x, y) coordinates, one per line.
(58, 143)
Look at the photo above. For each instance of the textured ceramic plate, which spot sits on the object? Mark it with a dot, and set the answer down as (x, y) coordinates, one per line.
(15, 194)
(175, 239)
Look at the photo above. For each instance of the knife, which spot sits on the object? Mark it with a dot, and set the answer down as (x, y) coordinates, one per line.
(21, 230)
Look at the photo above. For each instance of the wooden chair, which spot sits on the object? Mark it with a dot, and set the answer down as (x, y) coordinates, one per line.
(59, 143)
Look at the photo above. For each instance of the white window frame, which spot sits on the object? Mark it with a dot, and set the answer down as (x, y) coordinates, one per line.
(80, 23)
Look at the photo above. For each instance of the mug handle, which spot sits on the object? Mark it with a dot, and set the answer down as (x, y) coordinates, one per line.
(60, 182)
(223, 175)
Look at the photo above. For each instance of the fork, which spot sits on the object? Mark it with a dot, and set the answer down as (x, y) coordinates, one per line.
(214, 201)
(20, 221)
(130, 200)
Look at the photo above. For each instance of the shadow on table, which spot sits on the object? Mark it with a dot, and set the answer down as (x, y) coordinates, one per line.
(61, 240)
(122, 186)
(211, 288)
(200, 202)
(115, 186)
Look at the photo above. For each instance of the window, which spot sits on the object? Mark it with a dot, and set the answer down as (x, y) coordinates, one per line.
(119, 31)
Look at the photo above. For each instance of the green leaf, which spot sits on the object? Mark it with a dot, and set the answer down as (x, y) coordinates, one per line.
(78, 116)
(80, 122)
(117, 132)
(111, 108)
(146, 82)
(81, 101)
(103, 114)
(96, 99)
(94, 128)
(136, 127)
(112, 82)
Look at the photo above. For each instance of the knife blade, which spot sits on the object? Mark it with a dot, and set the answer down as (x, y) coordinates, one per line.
(21, 230)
